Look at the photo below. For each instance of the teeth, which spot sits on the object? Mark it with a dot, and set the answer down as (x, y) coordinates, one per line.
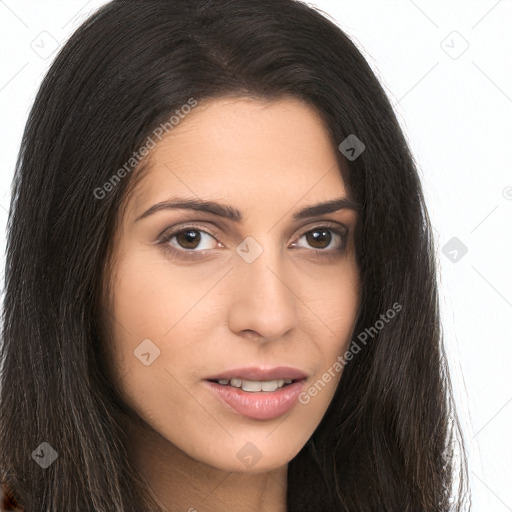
(271, 385)
(256, 385)
(252, 385)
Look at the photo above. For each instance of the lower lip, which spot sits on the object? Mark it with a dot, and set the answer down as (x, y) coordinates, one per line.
(259, 405)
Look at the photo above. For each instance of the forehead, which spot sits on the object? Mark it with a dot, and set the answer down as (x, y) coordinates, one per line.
(245, 151)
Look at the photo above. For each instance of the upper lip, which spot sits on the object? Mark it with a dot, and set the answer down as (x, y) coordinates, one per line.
(260, 373)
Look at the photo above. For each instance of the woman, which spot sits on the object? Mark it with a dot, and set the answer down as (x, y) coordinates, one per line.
(292, 359)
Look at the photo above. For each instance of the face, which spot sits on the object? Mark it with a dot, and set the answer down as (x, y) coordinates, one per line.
(251, 294)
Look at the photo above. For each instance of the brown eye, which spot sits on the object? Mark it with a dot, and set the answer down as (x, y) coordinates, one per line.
(319, 238)
(189, 238)
(188, 242)
(192, 242)
(325, 240)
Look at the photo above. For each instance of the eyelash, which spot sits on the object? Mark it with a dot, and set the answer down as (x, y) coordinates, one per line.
(165, 238)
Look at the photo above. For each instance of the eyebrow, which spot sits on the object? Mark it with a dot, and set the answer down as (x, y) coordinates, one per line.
(233, 214)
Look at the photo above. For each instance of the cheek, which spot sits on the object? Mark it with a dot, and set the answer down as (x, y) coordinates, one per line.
(335, 307)
(332, 339)
(148, 300)
(332, 297)
(161, 319)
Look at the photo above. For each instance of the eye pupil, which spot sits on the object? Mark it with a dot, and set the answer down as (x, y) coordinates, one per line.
(189, 236)
(319, 235)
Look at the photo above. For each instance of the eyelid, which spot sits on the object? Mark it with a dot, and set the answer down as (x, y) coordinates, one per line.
(216, 234)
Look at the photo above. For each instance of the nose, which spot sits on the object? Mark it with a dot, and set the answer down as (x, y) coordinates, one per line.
(263, 303)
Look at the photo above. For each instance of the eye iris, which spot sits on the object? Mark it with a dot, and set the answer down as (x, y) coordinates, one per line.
(189, 236)
(319, 235)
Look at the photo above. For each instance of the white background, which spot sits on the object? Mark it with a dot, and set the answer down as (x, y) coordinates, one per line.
(455, 105)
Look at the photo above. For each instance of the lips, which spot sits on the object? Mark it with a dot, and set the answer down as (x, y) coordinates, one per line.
(260, 374)
(259, 405)
(254, 404)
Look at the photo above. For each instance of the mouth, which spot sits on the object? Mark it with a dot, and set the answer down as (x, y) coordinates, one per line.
(259, 393)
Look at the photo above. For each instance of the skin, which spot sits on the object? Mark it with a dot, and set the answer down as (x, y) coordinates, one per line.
(217, 312)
